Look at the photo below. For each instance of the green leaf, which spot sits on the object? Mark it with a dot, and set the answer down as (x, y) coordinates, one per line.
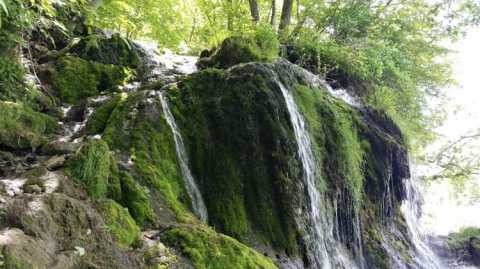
(3, 6)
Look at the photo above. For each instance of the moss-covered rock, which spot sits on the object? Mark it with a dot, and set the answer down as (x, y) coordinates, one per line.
(242, 152)
(119, 223)
(135, 197)
(23, 128)
(137, 127)
(38, 228)
(461, 238)
(208, 249)
(329, 62)
(92, 167)
(22, 251)
(235, 50)
(334, 127)
(115, 50)
(466, 244)
(75, 78)
(99, 119)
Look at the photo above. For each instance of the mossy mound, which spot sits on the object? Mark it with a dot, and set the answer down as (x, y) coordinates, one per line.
(75, 78)
(242, 152)
(462, 238)
(23, 128)
(95, 167)
(235, 50)
(100, 116)
(115, 50)
(136, 198)
(119, 223)
(135, 125)
(466, 244)
(92, 167)
(208, 249)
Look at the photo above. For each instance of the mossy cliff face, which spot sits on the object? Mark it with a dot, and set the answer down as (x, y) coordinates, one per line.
(242, 152)
(244, 156)
(151, 186)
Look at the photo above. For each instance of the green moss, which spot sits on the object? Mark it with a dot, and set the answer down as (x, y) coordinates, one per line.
(14, 86)
(76, 78)
(91, 166)
(13, 262)
(242, 152)
(32, 185)
(462, 238)
(119, 223)
(99, 119)
(114, 50)
(136, 199)
(207, 249)
(235, 50)
(137, 126)
(23, 128)
(114, 188)
(333, 125)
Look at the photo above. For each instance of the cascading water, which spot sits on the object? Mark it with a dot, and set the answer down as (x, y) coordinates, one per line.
(424, 258)
(198, 204)
(326, 251)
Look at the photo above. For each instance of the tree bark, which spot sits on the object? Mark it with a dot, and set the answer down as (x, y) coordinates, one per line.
(274, 13)
(254, 11)
(230, 16)
(286, 14)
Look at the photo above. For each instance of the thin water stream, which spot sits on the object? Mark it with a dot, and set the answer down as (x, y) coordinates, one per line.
(198, 204)
(327, 252)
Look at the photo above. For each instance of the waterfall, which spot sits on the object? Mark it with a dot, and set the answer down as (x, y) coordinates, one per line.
(198, 205)
(326, 251)
(425, 258)
(318, 244)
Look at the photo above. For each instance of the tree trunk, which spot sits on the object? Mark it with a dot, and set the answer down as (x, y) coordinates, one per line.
(254, 11)
(230, 16)
(286, 14)
(274, 13)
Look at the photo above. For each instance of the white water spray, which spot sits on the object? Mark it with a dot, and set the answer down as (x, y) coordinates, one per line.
(425, 258)
(167, 65)
(320, 237)
(198, 205)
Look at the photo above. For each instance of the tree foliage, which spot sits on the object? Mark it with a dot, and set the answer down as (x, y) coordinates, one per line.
(456, 159)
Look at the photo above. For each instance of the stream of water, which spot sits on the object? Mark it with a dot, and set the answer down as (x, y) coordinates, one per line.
(327, 252)
(198, 204)
(425, 257)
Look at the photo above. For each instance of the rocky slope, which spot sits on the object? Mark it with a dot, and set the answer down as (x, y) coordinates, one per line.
(123, 159)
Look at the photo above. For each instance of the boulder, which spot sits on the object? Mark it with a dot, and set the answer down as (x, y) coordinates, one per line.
(55, 162)
(59, 147)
